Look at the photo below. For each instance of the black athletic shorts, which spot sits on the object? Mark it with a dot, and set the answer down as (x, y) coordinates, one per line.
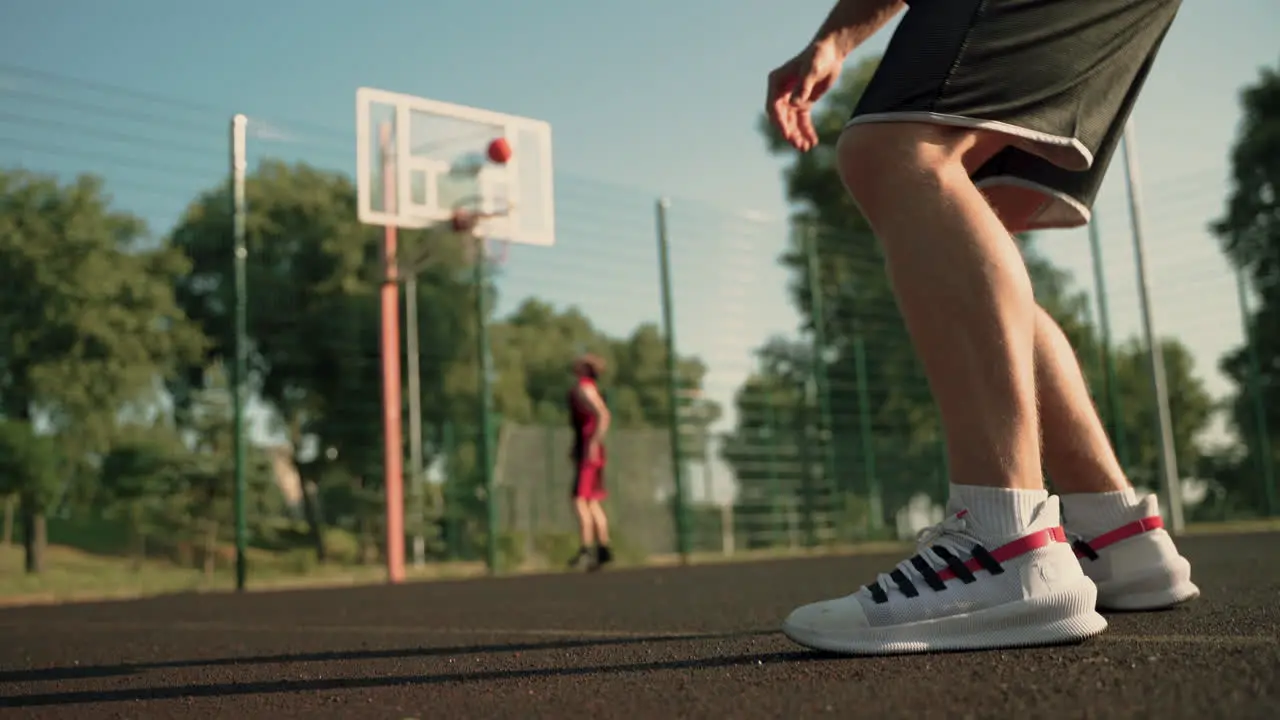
(1060, 77)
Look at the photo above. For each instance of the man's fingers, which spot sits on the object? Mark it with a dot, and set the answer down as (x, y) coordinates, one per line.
(790, 99)
(777, 87)
(806, 129)
(802, 94)
(784, 117)
(778, 105)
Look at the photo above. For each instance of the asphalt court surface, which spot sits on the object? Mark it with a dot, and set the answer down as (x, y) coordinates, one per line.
(688, 642)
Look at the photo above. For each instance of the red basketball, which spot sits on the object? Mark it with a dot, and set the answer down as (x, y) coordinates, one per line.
(500, 151)
(463, 221)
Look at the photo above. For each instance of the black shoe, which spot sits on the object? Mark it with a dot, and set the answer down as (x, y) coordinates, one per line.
(582, 561)
(604, 556)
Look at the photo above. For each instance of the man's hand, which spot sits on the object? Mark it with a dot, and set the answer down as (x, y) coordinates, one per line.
(796, 86)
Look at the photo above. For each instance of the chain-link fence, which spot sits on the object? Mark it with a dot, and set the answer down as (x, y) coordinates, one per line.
(802, 417)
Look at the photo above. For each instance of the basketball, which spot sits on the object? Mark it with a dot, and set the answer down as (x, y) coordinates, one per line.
(500, 151)
(464, 221)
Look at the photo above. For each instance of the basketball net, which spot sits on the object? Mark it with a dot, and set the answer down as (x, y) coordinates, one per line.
(469, 220)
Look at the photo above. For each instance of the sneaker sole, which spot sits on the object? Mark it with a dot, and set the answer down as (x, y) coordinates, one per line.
(1158, 589)
(1066, 616)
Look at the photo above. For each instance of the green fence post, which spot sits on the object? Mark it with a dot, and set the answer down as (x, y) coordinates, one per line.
(805, 422)
(1094, 367)
(1262, 446)
(485, 454)
(449, 513)
(774, 490)
(538, 495)
(874, 497)
(239, 370)
(826, 433)
(673, 382)
(1115, 422)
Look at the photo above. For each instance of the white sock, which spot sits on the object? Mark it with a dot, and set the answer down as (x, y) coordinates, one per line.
(1091, 514)
(999, 512)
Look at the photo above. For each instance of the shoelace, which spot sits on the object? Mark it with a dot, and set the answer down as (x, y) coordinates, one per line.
(951, 533)
(1081, 546)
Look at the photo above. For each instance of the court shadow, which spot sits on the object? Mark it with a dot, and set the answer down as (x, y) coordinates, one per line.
(100, 671)
(1113, 612)
(232, 689)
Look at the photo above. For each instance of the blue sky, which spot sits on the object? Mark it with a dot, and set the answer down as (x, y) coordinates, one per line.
(645, 99)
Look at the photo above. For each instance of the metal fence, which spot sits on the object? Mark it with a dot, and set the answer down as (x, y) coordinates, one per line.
(802, 418)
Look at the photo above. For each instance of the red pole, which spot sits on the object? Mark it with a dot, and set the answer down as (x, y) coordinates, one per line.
(391, 421)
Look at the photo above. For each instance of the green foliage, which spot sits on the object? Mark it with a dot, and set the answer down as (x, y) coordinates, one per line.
(1190, 407)
(88, 325)
(314, 316)
(314, 333)
(178, 485)
(141, 481)
(28, 465)
(145, 466)
(533, 349)
(88, 320)
(1249, 232)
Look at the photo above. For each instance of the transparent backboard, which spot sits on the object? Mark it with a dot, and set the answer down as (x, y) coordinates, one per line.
(419, 160)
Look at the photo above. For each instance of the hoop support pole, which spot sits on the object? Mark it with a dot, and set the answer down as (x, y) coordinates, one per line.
(393, 460)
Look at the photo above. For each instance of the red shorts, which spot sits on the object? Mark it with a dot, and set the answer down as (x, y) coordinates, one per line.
(588, 484)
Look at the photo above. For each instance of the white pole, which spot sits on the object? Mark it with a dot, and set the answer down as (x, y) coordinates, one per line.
(1168, 459)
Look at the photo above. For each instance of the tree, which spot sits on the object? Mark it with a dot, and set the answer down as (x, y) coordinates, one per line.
(532, 350)
(534, 346)
(314, 319)
(89, 327)
(1190, 408)
(1249, 232)
(770, 449)
(28, 469)
(140, 478)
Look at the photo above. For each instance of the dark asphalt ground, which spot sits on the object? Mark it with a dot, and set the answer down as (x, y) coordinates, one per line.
(654, 643)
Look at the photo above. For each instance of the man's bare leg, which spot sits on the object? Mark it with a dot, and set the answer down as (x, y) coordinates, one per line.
(964, 292)
(600, 521)
(586, 522)
(1134, 564)
(1083, 467)
(962, 288)
(604, 554)
(1077, 452)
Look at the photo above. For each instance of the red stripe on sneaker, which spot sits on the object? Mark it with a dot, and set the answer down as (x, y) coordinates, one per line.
(1124, 532)
(1009, 551)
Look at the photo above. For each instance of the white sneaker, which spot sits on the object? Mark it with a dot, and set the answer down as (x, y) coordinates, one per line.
(954, 594)
(1136, 566)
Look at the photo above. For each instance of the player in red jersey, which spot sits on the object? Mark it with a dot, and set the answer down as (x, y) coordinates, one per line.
(589, 417)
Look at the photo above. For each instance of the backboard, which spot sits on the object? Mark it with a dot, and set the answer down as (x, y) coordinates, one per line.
(432, 156)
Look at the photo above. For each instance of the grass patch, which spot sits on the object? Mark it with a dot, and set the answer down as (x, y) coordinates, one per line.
(1234, 527)
(71, 574)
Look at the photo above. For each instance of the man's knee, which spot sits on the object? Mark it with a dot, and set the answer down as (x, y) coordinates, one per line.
(877, 160)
